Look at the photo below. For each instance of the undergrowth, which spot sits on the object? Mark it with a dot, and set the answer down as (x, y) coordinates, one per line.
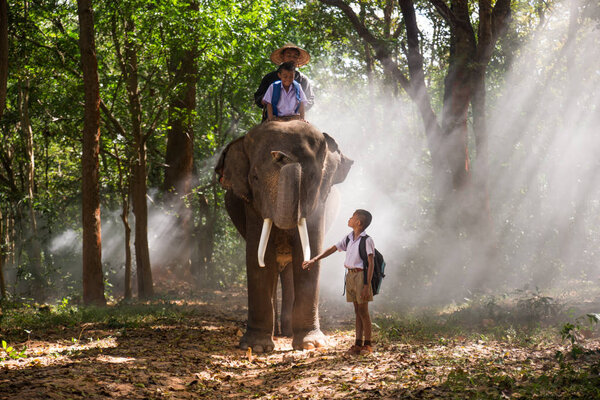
(24, 320)
(521, 322)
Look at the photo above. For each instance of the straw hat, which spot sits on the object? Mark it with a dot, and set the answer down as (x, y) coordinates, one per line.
(277, 55)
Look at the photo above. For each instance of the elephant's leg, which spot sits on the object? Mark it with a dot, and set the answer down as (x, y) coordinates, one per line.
(261, 286)
(287, 299)
(305, 324)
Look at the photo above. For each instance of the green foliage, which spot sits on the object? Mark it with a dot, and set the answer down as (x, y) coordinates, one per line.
(23, 318)
(487, 362)
(232, 42)
(537, 306)
(572, 332)
(11, 353)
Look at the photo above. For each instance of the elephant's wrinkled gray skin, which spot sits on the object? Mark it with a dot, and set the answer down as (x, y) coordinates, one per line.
(282, 171)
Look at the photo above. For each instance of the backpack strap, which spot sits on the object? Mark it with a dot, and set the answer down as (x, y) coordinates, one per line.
(362, 251)
(276, 96)
(297, 88)
(345, 269)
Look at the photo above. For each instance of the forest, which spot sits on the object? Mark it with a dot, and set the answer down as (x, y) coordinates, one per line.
(472, 127)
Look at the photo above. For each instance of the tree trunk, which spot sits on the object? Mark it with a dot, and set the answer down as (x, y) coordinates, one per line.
(35, 249)
(140, 207)
(3, 226)
(10, 240)
(93, 283)
(140, 211)
(204, 235)
(457, 97)
(125, 218)
(180, 153)
(3, 53)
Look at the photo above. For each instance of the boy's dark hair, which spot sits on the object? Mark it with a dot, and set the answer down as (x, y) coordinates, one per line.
(288, 66)
(364, 217)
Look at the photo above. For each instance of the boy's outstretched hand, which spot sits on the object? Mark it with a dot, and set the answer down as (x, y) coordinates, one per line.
(308, 264)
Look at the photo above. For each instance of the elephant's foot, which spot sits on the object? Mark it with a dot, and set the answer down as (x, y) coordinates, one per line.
(258, 341)
(308, 340)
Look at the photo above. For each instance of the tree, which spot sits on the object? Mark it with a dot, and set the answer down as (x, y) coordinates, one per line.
(179, 158)
(3, 53)
(129, 66)
(35, 252)
(464, 85)
(93, 284)
(3, 83)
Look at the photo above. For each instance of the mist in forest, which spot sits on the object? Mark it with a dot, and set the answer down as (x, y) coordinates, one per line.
(66, 247)
(544, 198)
(544, 154)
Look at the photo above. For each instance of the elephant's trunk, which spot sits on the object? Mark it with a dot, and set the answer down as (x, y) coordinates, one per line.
(287, 211)
(288, 197)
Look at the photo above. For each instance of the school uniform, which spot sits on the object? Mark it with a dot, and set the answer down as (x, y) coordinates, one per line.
(354, 265)
(273, 77)
(289, 100)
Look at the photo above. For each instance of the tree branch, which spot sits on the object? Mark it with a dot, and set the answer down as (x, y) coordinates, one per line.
(501, 14)
(382, 53)
(118, 53)
(363, 32)
(445, 11)
(115, 122)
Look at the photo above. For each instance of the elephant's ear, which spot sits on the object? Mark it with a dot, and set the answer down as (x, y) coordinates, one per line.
(342, 170)
(233, 167)
(335, 168)
(337, 163)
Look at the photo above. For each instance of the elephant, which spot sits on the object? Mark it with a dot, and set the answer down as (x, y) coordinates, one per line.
(278, 178)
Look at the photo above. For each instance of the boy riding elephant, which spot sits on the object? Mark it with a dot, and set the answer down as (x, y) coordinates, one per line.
(288, 53)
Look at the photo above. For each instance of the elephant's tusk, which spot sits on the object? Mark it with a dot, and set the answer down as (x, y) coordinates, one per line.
(264, 239)
(303, 231)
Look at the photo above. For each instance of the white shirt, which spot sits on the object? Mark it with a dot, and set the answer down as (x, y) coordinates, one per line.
(353, 259)
(287, 100)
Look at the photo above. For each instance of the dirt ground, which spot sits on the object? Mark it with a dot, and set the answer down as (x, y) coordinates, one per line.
(196, 357)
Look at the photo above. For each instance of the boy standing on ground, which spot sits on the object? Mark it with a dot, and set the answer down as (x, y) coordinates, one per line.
(285, 98)
(357, 291)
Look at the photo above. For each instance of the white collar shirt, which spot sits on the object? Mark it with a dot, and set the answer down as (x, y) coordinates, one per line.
(287, 100)
(353, 259)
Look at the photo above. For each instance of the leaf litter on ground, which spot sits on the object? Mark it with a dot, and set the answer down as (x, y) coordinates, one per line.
(190, 352)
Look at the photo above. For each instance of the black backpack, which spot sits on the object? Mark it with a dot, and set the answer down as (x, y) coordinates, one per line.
(378, 267)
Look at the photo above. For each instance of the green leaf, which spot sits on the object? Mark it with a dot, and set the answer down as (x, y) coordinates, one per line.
(594, 318)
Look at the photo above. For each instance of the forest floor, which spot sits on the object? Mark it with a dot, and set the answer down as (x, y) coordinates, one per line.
(186, 349)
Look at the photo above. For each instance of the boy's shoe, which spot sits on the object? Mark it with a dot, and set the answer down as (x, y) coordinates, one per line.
(366, 350)
(354, 350)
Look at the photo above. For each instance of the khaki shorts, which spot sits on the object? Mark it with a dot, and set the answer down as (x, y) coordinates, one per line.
(354, 286)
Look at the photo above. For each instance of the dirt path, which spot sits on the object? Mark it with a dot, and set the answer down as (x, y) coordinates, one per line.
(195, 357)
